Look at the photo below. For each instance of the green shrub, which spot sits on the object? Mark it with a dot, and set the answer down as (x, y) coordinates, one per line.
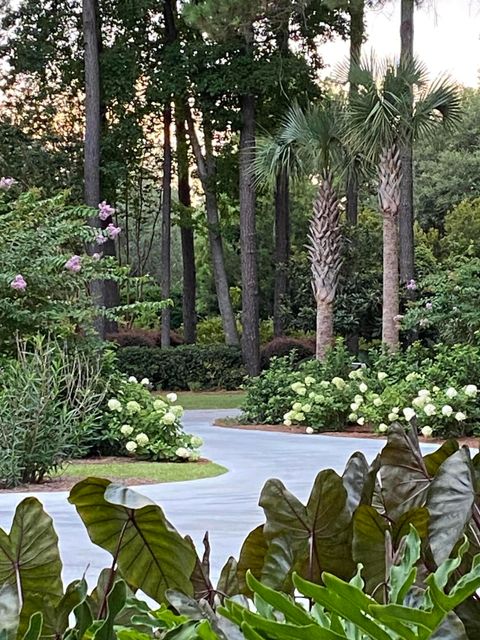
(149, 427)
(211, 367)
(50, 399)
(282, 346)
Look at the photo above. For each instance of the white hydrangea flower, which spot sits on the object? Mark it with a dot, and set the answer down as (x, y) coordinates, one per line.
(133, 379)
(435, 389)
(361, 421)
(423, 393)
(354, 406)
(392, 416)
(131, 446)
(114, 404)
(145, 382)
(287, 422)
(451, 392)
(297, 406)
(126, 430)
(142, 439)
(352, 417)
(429, 409)
(377, 402)
(470, 390)
(133, 407)
(419, 402)
(182, 452)
(426, 431)
(339, 383)
(352, 375)
(381, 375)
(300, 417)
(171, 397)
(412, 376)
(319, 397)
(409, 413)
(325, 384)
(306, 408)
(158, 404)
(312, 395)
(309, 380)
(288, 415)
(177, 410)
(363, 387)
(447, 410)
(358, 399)
(460, 417)
(309, 430)
(382, 427)
(196, 441)
(169, 418)
(395, 409)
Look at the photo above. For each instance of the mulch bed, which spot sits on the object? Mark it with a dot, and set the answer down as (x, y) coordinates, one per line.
(348, 432)
(65, 483)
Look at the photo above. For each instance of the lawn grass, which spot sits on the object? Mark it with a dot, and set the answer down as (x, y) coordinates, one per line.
(149, 471)
(209, 399)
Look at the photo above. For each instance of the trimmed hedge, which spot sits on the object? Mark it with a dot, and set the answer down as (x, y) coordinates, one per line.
(280, 347)
(185, 367)
(142, 338)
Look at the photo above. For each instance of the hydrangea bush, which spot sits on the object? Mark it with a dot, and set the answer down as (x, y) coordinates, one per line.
(148, 426)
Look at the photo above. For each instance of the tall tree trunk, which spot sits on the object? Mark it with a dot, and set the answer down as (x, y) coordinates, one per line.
(390, 178)
(186, 230)
(104, 292)
(166, 224)
(324, 249)
(407, 249)
(248, 240)
(207, 173)
(282, 250)
(357, 27)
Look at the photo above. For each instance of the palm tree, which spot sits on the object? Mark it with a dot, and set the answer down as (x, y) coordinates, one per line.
(308, 144)
(381, 116)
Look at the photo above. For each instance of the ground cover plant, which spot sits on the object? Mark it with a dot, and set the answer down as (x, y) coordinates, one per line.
(359, 559)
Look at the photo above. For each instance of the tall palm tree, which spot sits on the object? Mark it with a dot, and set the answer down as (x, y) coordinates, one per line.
(308, 144)
(381, 116)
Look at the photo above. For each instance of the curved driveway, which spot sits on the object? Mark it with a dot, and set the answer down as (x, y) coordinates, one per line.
(226, 506)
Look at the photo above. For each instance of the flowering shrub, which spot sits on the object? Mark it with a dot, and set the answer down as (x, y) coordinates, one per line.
(148, 426)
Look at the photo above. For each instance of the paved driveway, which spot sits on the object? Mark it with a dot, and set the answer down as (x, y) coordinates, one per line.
(226, 506)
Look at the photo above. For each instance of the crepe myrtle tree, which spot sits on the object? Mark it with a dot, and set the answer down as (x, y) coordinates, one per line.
(380, 116)
(308, 143)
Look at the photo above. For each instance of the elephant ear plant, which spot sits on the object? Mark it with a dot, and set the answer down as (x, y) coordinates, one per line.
(410, 522)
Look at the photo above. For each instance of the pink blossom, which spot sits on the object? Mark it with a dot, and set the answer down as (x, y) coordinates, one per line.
(101, 239)
(429, 306)
(7, 183)
(97, 256)
(74, 264)
(105, 211)
(113, 231)
(18, 283)
(411, 285)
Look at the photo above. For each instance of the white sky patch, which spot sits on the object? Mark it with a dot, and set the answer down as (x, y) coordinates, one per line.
(447, 38)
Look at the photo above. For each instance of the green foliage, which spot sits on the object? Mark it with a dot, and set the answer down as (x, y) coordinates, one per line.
(270, 395)
(208, 367)
(149, 427)
(50, 402)
(447, 308)
(462, 229)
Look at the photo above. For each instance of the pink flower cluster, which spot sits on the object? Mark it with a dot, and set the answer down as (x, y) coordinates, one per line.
(18, 283)
(105, 211)
(74, 264)
(7, 183)
(112, 233)
(411, 285)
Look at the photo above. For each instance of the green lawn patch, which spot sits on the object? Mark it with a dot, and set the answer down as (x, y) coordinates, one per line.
(209, 399)
(146, 471)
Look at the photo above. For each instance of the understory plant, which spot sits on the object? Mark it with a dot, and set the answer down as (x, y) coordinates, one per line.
(50, 401)
(386, 551)
(146, 426)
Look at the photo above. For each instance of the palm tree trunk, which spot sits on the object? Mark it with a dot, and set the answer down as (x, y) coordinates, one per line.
(248, 240)
(207, 173)
(390, 177)
(324, 250)
(166, 225)
(407, 249)
(104, 292)
(186, 230)
(325, 336)
(282, 250)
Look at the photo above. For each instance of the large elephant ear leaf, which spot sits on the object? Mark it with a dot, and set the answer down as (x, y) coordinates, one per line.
(252, 558)
(29, 558)
(450, 500)
(403, 473)
(354, 478)
(150, 553)
(370, 532)
(433, 461)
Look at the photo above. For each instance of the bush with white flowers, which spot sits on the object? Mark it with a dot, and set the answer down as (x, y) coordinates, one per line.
(147, 426)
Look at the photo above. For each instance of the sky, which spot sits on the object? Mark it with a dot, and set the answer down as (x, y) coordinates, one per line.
(446, 39)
